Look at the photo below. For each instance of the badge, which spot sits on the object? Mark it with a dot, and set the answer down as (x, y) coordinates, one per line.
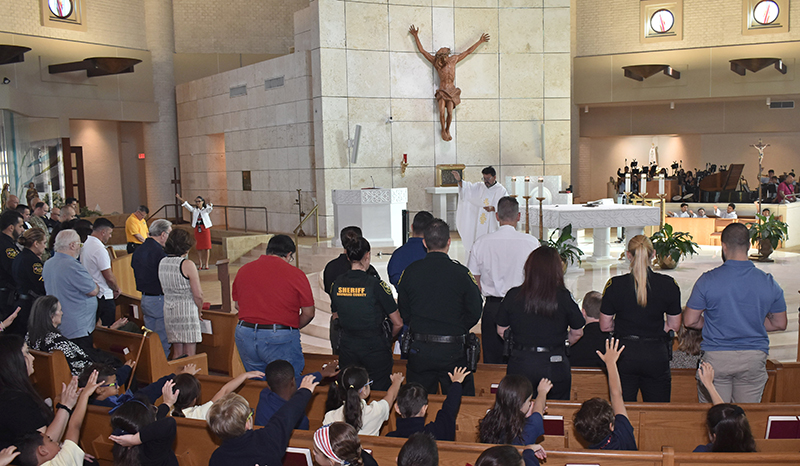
(386, 288)
(37, 268)
(11, 253)
(473, 278)
(608, 283)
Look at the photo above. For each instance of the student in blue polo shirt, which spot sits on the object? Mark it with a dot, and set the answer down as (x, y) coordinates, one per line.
(282, 386)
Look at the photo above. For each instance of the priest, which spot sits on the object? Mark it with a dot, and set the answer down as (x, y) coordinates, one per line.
(477, 203)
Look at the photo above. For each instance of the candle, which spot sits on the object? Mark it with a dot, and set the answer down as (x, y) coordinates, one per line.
(541, 186)
(643, 183)
(527, 185)
(660, 183)
(405, 158)
(513, 185)
(627, 182)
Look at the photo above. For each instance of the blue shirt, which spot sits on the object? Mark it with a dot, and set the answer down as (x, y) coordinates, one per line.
(269, 403)
(621, 438)
(145, 266)
(410, 252)
(69, 281)
(736, 297)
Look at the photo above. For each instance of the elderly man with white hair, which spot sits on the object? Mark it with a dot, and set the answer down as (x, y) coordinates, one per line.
(69, 281)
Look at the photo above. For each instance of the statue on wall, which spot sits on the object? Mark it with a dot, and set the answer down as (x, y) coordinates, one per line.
(448, 95)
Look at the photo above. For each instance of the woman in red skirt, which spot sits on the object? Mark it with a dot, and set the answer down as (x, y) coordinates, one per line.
(201, 223)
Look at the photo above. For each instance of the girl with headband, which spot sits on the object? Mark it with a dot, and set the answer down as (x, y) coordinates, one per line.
(338, 444)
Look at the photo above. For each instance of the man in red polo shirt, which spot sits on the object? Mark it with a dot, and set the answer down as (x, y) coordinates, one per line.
(274, 301)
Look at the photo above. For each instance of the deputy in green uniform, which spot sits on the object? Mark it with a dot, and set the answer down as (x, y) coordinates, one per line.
(11, 227)
(440, 301)
(362, 302)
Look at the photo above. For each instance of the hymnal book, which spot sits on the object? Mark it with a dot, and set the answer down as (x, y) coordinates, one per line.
(494, 387)
(783, 427)
(553, 425)
(297, 457)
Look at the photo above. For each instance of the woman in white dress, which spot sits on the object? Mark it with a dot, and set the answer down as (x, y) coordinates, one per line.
(183, 296)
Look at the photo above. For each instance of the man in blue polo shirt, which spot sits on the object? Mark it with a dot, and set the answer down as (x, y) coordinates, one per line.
(412, 251)
(736, 304)
(145, 269)
(69, 281)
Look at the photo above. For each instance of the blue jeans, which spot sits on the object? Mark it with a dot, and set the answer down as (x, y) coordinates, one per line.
(259, 347)
(153, 312)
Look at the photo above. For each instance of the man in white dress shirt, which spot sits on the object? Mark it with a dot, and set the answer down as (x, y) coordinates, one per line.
(684, 213)
(497, 261)
(477, 203)
(729, 213)
(95, 258)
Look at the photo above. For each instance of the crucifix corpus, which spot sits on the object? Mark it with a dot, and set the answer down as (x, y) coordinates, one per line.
(448, 95)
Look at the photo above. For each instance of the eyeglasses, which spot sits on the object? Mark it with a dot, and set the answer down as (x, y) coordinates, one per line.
(250, 416)
(109, 385)
(369, 384)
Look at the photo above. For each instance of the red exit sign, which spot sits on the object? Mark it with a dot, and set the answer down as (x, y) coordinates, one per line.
(141, 156)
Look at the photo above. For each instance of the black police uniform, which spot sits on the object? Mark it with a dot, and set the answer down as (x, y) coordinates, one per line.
(363, 302)
(333, 270)
(539, 350)
(27, 273)
(644, 365)
(8, 252)
(440, 301)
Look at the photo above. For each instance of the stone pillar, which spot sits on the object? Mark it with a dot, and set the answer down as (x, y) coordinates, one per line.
(161, 138)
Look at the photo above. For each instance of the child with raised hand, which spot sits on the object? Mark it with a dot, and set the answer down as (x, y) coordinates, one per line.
(7, 455)
(142, 436)
(231, 419)
(412, 406)
(516, 417)
(282, 385)
(37, 448)
(606, 426)
(352, 389)
(728, 427)
(189, 388)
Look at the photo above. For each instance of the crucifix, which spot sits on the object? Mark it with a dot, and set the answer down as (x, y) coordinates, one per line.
(176, 182)
(760, 148)
(448, 96)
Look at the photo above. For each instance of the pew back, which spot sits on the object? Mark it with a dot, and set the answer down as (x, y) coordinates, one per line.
(220, 346)
(50, 370)
(152, 362)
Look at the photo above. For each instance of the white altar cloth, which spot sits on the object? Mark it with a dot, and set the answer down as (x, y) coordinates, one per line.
(379, 213)
(601, 219)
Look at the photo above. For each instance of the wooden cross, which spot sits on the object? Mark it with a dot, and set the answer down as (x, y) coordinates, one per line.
(177, 183)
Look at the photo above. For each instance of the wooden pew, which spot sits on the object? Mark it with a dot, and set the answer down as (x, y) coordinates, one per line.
(787, 381)
(50, 370)
(121, 266)
(195, 444)
(152, 363)
(681, 425)
(220, 347)
(587, 382)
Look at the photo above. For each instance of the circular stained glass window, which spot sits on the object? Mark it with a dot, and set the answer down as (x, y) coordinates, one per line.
(662, 21)
(766, 12)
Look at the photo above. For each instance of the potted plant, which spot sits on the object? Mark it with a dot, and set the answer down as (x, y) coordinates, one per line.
(671, 245)
(766, 233)
(566, 246)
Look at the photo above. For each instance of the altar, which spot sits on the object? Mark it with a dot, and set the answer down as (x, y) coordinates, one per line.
(600, 219)
(379, 213)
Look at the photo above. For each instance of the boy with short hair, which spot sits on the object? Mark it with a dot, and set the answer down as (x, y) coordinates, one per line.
(419, 450)
(107, 393)
(282, 385)
(606, 426)
(583, 353)
(231, 419)
(36, 448)
(412, 406)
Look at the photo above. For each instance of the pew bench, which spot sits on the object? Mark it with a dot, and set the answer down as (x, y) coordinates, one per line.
(153, 363)
(220, 346)
(50, 370)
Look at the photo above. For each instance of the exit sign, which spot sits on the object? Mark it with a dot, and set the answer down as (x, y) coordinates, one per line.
(141, 156)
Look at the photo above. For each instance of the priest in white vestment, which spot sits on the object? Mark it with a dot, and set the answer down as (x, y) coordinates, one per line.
(477, 203)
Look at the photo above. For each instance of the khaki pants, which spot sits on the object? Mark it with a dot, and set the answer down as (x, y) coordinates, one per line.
(739, 376)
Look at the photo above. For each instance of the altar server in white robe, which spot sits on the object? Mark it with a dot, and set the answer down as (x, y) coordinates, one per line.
(477, 204)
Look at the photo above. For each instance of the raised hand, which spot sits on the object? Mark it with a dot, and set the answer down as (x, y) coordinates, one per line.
(545, 385)
(706, 374)
(612, 353)
(190, 369)
(397, 378)
(169, 396)
(538, 450)
(456, 175)
(309, 383)
(8, 454)
(485, 37)
(69, 393)
(10, 320)
(413, 30)
(91, 384)
(254, 375)
(459, 374)
(330, 369)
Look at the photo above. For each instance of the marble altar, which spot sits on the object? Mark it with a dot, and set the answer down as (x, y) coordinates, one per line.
(378, 211)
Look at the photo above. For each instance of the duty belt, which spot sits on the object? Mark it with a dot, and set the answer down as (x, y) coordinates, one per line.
(493, 299)
(425, 338)
(537, 349)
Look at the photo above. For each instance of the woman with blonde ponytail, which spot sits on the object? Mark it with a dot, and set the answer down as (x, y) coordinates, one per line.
(634, 308)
